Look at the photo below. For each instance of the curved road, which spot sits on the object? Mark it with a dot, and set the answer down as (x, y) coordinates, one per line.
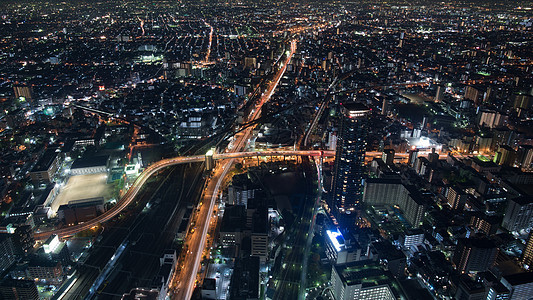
(154, 168)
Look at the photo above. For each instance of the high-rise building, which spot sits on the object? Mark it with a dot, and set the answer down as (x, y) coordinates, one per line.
(350, 158)
(259, 236)
(413, 155)
(470, 289)
(23, 91)
(388, 156)
(7, 251)
(521, 285)
(519, 214)
(506, 156)
(456, 198)
(391, 192)
(474, 255)
(363, 280)
(525, 157)
(18, 289)
(23, 239)
(439, 95)
(527, 254)
(340, 250)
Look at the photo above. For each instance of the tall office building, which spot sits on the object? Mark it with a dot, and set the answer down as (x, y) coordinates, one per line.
(350, 158)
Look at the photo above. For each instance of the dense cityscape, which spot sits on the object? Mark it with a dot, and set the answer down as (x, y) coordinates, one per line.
(266, 150)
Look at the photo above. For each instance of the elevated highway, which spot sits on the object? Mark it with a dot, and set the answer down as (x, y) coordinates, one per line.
(165, 163)
(156, 167)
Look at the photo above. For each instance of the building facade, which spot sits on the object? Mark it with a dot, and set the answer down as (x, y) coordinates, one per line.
(350, 158)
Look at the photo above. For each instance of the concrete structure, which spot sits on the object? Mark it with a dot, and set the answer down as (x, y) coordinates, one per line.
(349, 170)
(340, 250)
(18, 289)
(527, 253)
(412, 238)
(232, 226)
(525, 158)
(362, 280)
(7, 252)
(209, 161)
(82, 210)
(388, 156)
(521, 285)
(519, 214)
(46, 271)
(90, 165)
(390, 192)
(259, 237)
(46, 167)
(167, 264)
(474, 255)
(456, 198)
(209, 289)
(245, 281)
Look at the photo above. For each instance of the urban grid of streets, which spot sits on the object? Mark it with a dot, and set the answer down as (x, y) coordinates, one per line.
(172, 80)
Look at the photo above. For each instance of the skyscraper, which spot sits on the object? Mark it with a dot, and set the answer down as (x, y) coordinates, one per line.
(350, 158)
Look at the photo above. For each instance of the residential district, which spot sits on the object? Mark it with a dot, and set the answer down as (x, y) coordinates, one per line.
(266, 149)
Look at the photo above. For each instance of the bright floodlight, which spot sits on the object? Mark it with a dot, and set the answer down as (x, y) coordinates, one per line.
(333, 235)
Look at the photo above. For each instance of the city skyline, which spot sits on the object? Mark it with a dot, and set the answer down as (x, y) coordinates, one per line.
(266, 150)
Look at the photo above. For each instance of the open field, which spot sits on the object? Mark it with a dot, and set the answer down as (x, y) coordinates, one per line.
(82, 187)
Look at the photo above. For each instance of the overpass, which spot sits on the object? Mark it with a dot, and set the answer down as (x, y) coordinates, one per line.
(165, 163)
(156, 167)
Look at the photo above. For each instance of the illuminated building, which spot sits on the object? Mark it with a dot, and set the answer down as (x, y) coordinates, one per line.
(412, 238)
(90, 165)
(521, 285)
(413, 155)
(350, 158)
(46, 167)
(23, 239)
(505, 156)
(525, 157)
(340, 250)
(527, 253)
(456, 198)
(7, 252)
(519, 214)
(18, 289)
(485, 223)
(233, 224)
(363, 280)
(474, 255)
(391, 192)
(23, 92)
(469, 288)
(55, 250)
(388, 156)
(48, 271)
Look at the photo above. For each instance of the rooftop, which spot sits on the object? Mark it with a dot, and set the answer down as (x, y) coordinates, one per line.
(87, 162)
